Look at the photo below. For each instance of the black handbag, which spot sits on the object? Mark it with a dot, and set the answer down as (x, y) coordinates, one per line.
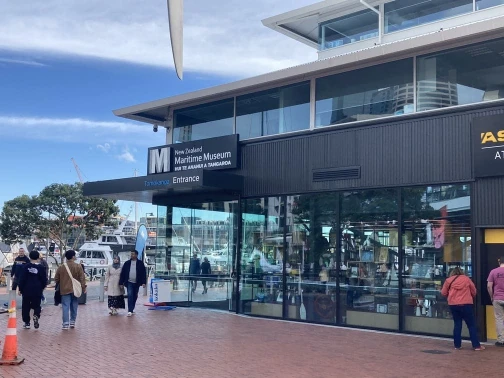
(57, 295)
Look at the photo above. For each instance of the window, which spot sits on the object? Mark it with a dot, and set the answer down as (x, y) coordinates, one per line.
(369, 259)
(312, 229)
(463, 76)
(483, 4)
(98, 255)
(204, 121)
(262, 257)
(82, 255)
(275, 111)
(436, 239)
(404, 14)
(365, 93)
(348, 29)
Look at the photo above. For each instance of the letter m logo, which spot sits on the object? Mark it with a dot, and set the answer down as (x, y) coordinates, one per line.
(159, 160)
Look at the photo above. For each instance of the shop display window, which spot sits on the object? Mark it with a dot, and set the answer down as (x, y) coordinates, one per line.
(436, 239)
(261, 281)
(311, 269)
(369, 259)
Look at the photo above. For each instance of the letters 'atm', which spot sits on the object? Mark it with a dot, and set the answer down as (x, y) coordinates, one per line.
(492, 251)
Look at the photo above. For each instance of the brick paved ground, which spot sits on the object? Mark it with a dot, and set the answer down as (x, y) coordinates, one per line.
(202, 343)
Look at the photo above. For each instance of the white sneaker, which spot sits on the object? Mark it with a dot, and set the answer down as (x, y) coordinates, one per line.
(129, 314)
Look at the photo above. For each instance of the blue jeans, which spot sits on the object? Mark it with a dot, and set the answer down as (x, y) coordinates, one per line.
(70, 304)
(132, 295)
(464, 313)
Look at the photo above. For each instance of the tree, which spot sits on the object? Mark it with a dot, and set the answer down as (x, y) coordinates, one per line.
(19, 219)
(60, 212)
(67, 213)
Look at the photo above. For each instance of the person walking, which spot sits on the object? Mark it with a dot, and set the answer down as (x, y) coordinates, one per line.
(194, 270)
(44, 263)
(495, 287)
(133, 275)
(69, 302)
(115, 293)
(18, 265)
(17, 268)
(206, 270)
(32, 281)
(461, 292)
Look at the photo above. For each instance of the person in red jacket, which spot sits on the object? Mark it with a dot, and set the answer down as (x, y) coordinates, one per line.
(461, 291)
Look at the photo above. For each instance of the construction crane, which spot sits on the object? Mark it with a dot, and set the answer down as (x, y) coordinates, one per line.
(77, 169)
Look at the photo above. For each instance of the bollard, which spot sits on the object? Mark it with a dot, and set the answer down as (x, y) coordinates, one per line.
(9, 285)
(102, 288)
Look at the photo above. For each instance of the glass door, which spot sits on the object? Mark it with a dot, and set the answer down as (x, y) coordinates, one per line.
(212, 254)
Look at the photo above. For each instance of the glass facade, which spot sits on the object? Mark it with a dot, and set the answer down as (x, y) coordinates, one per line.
(369, 270)
(404, 14)
(275, 111)
(462, 76)
(348, 29)
(188, 238)
(484, 4)
(467, 75)
(204, 121)
(262, 255)
(365, 94)
(436, 238)
(365, 258)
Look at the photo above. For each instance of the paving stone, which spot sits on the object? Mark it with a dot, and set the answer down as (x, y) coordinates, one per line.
(202, 343)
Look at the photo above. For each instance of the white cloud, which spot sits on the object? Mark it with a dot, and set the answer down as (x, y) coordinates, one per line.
(78, 130)
(22, 62)
(127, 156)
(223, 37)
(104, 147)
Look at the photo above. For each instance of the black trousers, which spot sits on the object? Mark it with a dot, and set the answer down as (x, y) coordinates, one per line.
(30, 302)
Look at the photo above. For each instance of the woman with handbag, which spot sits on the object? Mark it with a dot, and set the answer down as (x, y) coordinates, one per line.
(461, 291)
(72, 283)
(114, 291)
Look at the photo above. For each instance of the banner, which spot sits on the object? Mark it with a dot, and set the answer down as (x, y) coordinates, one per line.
(141, 241)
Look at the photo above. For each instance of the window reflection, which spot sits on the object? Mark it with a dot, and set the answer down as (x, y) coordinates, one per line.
(261, 285)
(204, 121)
(436, 239)
(275, 111)
(311, 257)
(365, 94)
(404, 14)
(484, 4)
(369, 259)
(349, 29)
(463, 76)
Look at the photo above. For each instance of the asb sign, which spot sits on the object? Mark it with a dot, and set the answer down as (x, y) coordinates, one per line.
(212, 154)
(488, 146)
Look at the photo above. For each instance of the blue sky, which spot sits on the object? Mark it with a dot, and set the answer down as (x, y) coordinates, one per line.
(66, 64)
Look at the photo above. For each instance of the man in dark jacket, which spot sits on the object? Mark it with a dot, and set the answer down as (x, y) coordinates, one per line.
(206, 270)
(133, 275)
(44, 263)
(18, 266)
(194, 270)
(32, 281)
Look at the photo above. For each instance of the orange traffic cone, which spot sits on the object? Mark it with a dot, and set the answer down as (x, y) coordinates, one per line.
(9, 355)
